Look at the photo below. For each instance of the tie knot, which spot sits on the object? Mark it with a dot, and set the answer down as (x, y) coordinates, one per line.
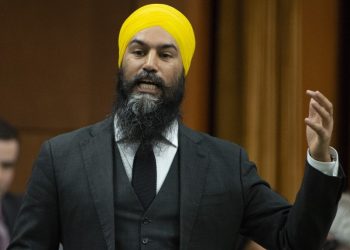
(145, 149)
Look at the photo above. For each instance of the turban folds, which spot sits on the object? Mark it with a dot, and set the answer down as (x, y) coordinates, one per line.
(166, 17)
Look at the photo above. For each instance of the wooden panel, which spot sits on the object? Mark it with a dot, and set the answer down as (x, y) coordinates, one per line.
(320, 51)
(291, 120)
(57, 68)
(107, 18)
(228, 67)
(44, 63)
(196, 103)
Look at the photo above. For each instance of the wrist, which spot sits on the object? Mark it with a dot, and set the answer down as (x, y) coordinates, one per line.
(321, 157)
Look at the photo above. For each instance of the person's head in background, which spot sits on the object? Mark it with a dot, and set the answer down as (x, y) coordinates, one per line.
(9, 151)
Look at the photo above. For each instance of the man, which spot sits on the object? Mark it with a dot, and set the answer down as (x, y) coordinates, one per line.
(9, 203)
(142, 180)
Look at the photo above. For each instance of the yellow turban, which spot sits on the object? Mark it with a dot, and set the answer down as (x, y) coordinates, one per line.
(165, 16)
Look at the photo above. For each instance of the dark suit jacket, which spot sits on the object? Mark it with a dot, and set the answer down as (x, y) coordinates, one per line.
(10, 206)
(70, 197)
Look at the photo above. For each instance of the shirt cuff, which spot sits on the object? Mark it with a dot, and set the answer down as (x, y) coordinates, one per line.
(328, 168)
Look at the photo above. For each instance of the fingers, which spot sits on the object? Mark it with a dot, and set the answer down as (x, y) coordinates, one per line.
(317, 127)
(322, 112)
(321, 100)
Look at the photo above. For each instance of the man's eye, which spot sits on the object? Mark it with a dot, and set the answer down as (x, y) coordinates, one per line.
(166, 55)
(138, 52)
(7, 165)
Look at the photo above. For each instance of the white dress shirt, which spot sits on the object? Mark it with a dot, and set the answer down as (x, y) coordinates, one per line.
(328, 168)
(165, 153)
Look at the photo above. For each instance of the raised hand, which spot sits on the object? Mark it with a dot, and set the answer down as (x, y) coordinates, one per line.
(319, 126)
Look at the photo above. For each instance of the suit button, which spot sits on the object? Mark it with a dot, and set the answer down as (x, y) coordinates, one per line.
(146, 221)
(145, 241)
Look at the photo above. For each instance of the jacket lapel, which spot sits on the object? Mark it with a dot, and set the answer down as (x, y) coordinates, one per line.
(193, 171)
(98, 161)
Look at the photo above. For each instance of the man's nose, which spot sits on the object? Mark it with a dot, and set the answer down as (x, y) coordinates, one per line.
(151, 62)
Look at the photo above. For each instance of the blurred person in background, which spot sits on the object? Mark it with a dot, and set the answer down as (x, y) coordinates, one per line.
(9, 203)
(339, 235)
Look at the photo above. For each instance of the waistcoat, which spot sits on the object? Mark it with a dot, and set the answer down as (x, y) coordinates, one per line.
(157, 227)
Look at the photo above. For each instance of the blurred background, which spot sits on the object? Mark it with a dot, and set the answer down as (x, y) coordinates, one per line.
(253, 63)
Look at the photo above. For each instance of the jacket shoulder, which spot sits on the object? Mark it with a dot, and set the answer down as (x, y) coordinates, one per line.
(212, 142)
(13, 199)
(76, 136)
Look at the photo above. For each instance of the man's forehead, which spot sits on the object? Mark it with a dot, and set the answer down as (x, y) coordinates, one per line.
(154, 36)
(9, 149)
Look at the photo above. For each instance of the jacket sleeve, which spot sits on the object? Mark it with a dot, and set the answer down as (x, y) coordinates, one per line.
(275, 224)
(37, 224)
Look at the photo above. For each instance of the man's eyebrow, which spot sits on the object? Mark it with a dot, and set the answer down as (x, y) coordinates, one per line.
(138, 42)
(163, 46)
(168, 46)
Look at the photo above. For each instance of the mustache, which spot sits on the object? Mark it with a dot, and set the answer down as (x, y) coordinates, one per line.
(149, 78)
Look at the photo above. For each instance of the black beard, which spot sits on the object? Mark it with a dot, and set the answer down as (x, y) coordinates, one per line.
(143, 118)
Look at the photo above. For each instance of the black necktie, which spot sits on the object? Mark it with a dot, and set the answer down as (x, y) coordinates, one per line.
(144, 174)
